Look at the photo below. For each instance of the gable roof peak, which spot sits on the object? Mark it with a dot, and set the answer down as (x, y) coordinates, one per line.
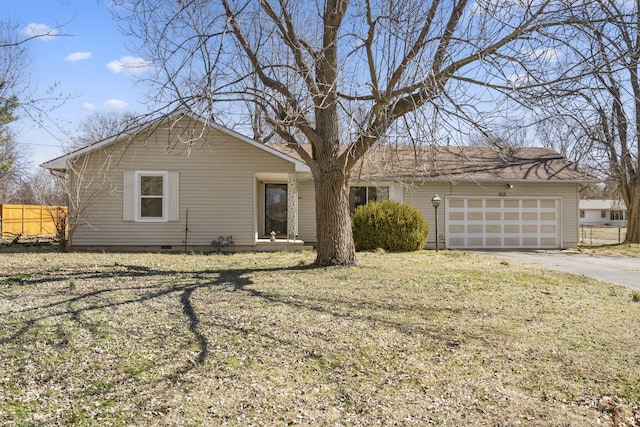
(60, 163)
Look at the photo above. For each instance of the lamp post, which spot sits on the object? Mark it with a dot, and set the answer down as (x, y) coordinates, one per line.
(435, 201)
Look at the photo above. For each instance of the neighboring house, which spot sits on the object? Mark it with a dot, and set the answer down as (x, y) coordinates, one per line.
(603, 212)
(182, 182)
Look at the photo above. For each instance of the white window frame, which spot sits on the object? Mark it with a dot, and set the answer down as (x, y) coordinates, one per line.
(138, 196)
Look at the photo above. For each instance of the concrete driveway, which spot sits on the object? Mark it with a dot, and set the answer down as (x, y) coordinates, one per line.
(619, 270)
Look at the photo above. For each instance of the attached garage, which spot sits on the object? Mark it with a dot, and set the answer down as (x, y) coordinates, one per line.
(492, 198)
(503, 223)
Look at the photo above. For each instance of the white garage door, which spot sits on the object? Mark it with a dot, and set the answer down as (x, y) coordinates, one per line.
(522, 223)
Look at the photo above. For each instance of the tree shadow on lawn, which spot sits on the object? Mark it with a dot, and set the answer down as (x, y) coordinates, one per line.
(242, 280)
(65, 307)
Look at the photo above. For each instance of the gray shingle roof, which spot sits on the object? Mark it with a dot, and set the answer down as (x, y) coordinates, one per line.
(461, 163)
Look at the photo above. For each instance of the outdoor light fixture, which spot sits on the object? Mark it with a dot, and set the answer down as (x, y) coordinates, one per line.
(435, 201)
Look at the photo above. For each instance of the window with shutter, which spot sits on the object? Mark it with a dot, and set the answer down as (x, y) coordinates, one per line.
(150, 196)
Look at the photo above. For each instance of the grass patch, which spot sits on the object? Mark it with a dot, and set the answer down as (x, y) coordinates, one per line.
(622, 249)
(449, 338)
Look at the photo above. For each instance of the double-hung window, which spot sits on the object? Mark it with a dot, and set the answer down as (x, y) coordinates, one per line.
(151, 188)
(151, 196)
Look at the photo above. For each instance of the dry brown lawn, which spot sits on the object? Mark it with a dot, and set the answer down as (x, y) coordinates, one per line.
(448, 338)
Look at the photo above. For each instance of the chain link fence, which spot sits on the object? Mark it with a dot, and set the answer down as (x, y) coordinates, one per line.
(599, 234)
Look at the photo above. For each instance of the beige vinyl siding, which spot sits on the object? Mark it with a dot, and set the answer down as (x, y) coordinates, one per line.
(221, 184)
(306, 211)
(419, 196)
(217, 186)
(307, 204)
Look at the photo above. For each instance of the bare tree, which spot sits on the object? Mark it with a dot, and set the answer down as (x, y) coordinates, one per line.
(501, 135)
(82, 189)
(47, 189)
(13, 166)
(342, 76)
(12, 65)
(596, 119)
(103, 125)
(12, 158)
(16, 88)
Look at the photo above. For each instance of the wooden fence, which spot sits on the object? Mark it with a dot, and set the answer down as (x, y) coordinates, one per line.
(30, 220)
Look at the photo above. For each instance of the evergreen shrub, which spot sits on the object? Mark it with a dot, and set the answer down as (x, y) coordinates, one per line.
(389, 225)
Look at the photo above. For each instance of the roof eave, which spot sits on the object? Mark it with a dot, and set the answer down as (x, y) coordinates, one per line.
(58, 164)
(472, 179)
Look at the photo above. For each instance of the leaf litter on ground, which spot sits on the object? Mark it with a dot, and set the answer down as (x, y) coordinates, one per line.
(448, 338)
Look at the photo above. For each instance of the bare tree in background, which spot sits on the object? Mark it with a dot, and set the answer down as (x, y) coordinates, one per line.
(12, 63)
(102, 125)
(596, 119)
(342, 76)
(12, 157)
(17, 91)
(501, 135)
(13, 169)
(47, 189)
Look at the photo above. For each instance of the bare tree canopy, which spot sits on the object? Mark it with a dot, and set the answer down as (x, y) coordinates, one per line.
(12, 158)
(12, 64)
(596, 118)
(343, 76)
(13, 168)
(16, 84)
(102, 125)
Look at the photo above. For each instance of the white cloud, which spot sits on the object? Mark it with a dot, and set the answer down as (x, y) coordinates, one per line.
(130, 65)
(519, 79)
(42, 31)
(77, 56)
(88, 106)
(117, 104)
(546, 54)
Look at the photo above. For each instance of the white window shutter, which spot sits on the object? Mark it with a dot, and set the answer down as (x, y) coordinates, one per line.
(129, 197)
(173, 198)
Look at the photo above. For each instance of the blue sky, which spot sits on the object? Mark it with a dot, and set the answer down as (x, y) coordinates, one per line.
(88, 61)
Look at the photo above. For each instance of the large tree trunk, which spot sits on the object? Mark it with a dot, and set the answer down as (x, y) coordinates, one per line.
(333, 220)
(633, 214)
(331, 177)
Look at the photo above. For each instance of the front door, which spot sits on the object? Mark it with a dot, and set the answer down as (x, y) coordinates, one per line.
(275, 209)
